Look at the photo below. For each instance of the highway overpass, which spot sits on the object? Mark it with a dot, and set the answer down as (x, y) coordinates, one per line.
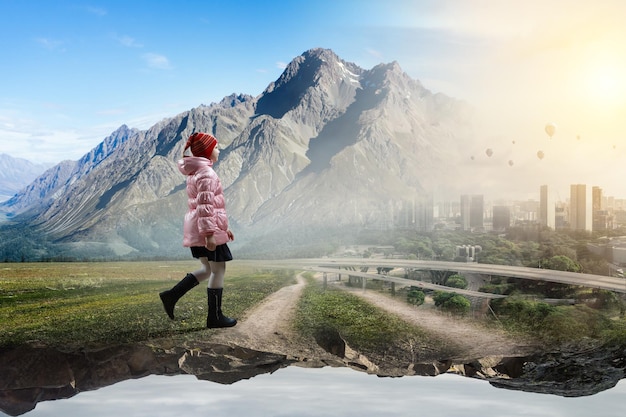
(537, 274)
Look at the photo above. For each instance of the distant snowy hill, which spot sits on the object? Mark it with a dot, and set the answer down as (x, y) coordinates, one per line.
(17, 173)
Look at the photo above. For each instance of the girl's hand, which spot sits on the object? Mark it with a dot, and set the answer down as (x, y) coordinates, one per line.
(231, 236)
(210, 243)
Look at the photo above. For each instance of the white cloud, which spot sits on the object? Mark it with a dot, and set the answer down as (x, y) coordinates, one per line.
(111, 112)
(21, 136)
(157, 61)
(51, 44)
(327, 391)
(128, 41)
(98, 11)
(375, 53)
(48, 146)
(281, 65)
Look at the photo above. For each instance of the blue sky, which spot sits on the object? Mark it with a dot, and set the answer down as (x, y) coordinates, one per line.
(74, 71)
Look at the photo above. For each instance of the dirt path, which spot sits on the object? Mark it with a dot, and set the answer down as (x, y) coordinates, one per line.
(473, 339)
(267, 327)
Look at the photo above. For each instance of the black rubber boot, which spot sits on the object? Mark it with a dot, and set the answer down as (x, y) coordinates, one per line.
(170, 297)
(215, 318)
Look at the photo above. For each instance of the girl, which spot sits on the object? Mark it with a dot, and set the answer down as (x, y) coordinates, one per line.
(205, 228)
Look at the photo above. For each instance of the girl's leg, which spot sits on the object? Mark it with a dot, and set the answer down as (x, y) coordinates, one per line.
(204, 272)
(218, 271)
(170, 297)
(215, 318)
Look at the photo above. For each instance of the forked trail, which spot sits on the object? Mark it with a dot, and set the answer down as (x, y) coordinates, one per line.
(267, 327)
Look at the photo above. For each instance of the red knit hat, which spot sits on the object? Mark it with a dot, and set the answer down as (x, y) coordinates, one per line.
(201, 144)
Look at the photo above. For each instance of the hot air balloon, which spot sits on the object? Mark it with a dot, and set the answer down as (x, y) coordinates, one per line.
(510, 162)
(472, 157)
(550, 129)
(489, 152)
(540, 154)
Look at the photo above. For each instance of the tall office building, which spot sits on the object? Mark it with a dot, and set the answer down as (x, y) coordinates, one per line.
(547, 213)
(580, 212)
(596, 207)
(602, 218)
(472, 208)
(425, 213)
(560, 216)
(417, 214)
(501, 218)
(596, 198)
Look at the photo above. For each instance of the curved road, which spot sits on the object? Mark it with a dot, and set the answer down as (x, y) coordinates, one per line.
(570, 278)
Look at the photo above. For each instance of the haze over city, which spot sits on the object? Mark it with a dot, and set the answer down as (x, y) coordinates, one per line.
(77, 72)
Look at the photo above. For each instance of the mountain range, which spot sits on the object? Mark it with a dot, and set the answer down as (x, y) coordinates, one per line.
(327, 147)
(17, 173)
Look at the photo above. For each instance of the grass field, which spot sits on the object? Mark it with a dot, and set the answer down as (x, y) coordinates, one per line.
(73, 305)
(77, 305)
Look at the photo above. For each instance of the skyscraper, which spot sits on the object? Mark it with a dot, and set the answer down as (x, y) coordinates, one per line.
(602, 218)
(417, 214)
(596, 206)
(580, 213)
(501, 218)
(472, 208)
(547, 214)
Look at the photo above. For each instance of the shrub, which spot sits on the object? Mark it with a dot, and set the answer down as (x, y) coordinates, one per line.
(554, 324)
(457, 304)
(415, 296)
(441, 297)
(456, 281)
(454, 303)
(566, 323)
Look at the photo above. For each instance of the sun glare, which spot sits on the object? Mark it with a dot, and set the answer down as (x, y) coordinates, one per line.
(606, 85)
(604, 73)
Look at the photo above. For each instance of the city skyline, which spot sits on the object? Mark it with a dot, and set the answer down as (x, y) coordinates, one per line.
(495, 200)
(585, 208)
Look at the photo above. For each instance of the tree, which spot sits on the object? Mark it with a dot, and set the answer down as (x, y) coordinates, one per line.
(456, 281)
(560, 263)
(443, 249)
(439, 277)
(441, 297)
(454, 303)
(457, 304)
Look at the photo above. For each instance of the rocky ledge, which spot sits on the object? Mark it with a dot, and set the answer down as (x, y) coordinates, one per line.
(30, 375)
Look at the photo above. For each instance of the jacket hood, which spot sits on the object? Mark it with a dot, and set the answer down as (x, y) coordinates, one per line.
(189, 165)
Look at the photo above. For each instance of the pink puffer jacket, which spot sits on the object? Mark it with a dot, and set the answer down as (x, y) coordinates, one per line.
(207, 208)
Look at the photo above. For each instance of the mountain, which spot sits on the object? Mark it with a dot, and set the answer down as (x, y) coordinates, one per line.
(327, 146)
(52, 183)
(17, 173)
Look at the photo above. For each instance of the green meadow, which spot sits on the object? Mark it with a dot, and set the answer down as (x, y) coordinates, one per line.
(80, 305)
(74, 305)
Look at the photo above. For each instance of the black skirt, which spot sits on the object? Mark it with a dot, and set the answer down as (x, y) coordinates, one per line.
(220, 254)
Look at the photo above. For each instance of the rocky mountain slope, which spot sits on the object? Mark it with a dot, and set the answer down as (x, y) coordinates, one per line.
(327, 145)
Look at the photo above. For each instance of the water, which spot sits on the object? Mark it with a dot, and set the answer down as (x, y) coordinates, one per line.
(300, 392)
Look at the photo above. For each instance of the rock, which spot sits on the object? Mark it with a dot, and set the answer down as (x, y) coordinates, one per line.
(228, 364)
(569, 373)
(31, 375)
